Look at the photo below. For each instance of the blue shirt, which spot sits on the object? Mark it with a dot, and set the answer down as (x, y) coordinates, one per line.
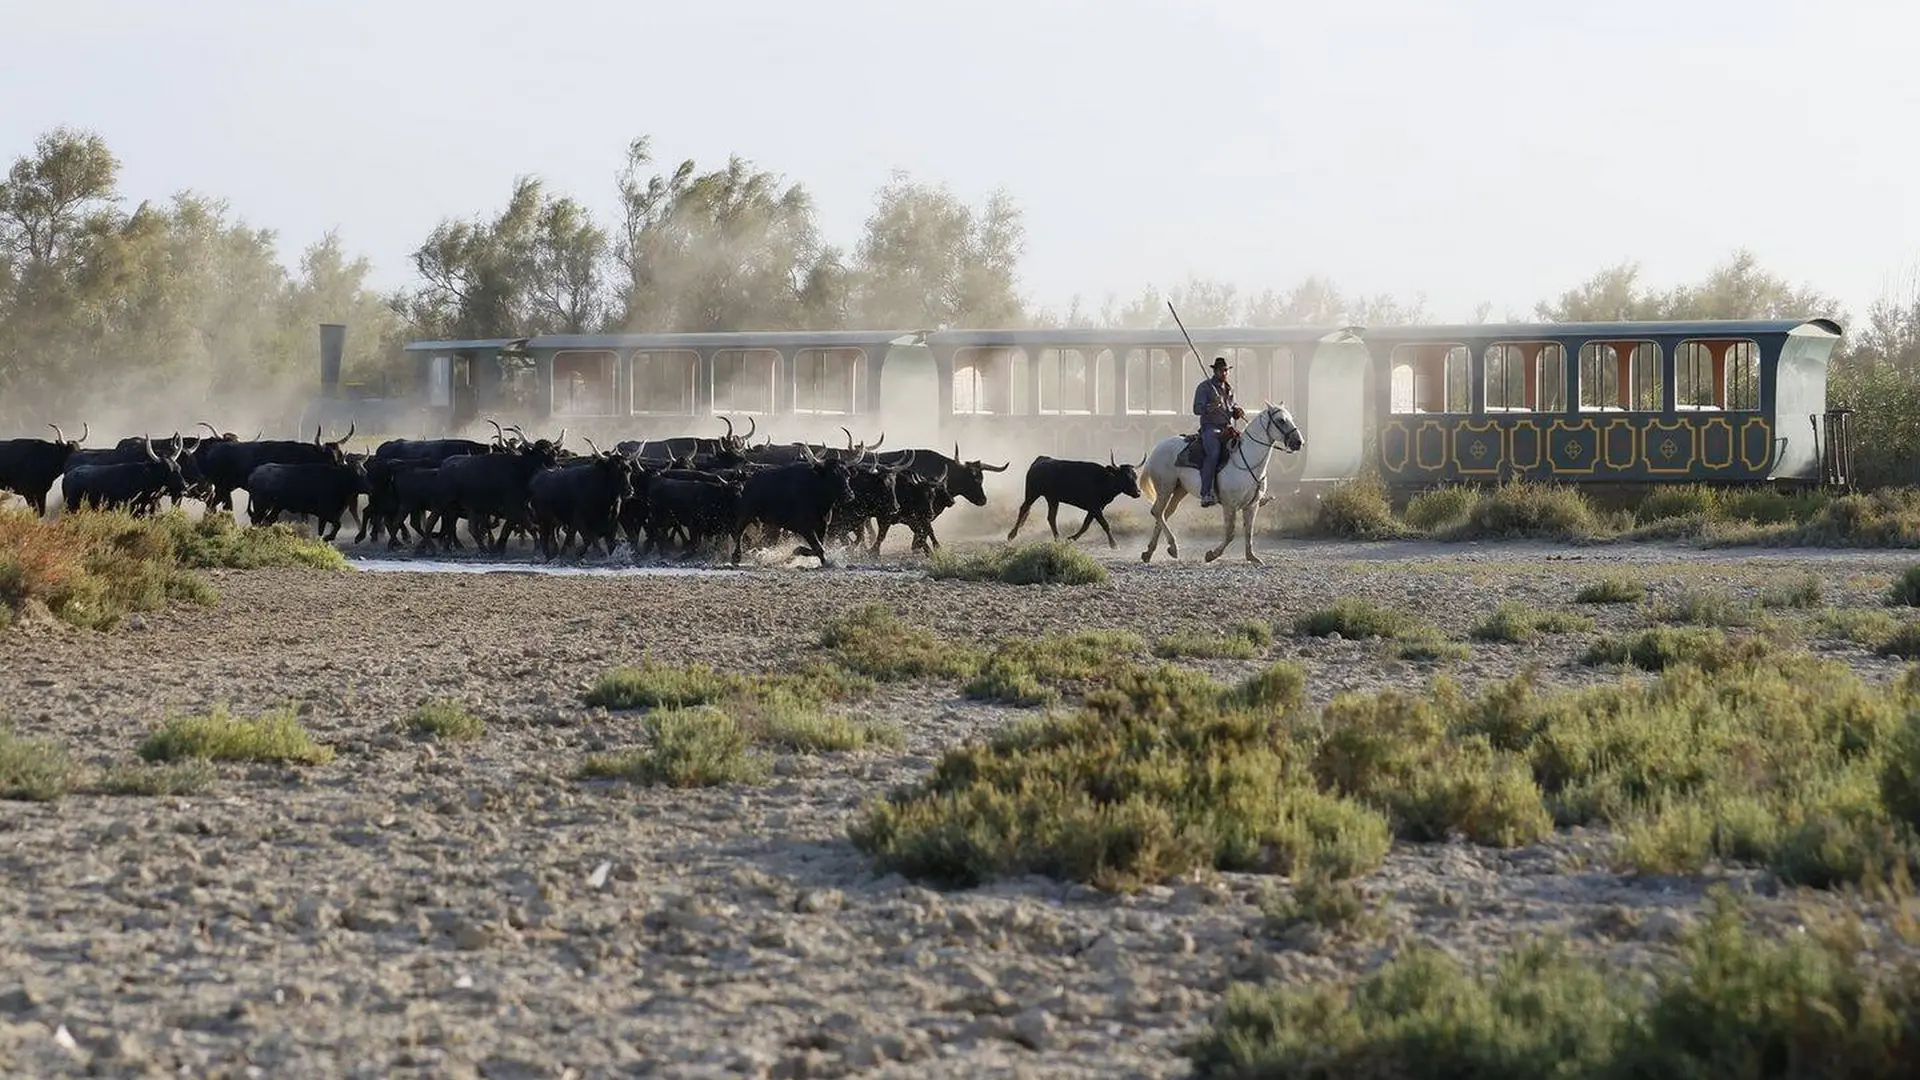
(1213, 405)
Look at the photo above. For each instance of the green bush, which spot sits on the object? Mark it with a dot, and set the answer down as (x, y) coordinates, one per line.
(1355, 619)
(1045, 562)
(33, 769)
(1356, 509)
(1245, 640)
(1611, 590)
(1441, 508)
(446, 720)
(652, 684)
(1905, 591)
(691, 747)
(872, 641)
(1520, 509)
(1512, 621)
(1739, 1002)
(273, 737)
(1037, 671)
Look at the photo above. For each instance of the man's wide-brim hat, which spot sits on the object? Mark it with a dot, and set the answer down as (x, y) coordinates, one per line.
(1220, 364)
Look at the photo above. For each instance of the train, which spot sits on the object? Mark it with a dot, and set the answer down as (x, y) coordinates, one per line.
(1594, 403)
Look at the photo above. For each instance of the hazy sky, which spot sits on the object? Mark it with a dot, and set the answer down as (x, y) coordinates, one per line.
(1496, 150)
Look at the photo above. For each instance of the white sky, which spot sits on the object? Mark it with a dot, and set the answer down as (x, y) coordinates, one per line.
(1470, 150)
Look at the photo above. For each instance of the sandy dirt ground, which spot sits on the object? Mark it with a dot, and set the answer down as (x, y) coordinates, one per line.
(460, 910)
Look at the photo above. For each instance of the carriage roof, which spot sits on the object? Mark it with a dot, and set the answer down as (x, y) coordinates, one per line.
(1149, 337)
(748, 339)
(1692, 328)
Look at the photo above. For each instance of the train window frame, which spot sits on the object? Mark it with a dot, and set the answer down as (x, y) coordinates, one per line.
(855, 359)
(1456, 352)
(641, 382)
(731, 403)
(1055, 404)
(606, 403)
(991, 385)
(1637, 393)
(1539, 392)
(1728, 389)
(1178, 401)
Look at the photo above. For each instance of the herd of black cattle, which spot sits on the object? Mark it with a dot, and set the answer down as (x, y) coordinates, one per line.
(680, 492)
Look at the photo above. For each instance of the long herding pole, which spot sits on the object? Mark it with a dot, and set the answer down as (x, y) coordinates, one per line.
(1196, 352)
(1183, 333)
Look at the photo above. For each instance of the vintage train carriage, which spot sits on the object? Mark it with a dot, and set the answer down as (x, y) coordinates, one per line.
(1079, 393)
(660, 385)
(1604, 403)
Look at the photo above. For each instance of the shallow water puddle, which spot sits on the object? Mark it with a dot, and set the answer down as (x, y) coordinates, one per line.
(439, 566)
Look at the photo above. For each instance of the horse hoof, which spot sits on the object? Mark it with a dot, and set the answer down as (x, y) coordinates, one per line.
(1254, 559)
(1212, 555)
(1146, 556)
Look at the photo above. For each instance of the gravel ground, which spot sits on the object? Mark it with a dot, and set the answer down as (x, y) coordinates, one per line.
(459, 910)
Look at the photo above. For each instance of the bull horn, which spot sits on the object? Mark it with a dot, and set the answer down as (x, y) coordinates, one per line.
(562, 440)
(498, 435)
(908, 463)
(58, 435)
(995, 468)
(729, 422)
(956, 450)
(146, 444)
(849, 436)
(351, 428)
(590, 446)
(1110, 462)
(879, 442)
(85, 430)
(751, 428)
(316, 434)
(261, 434)
(807, 452)
(211, 428)
(178, 446)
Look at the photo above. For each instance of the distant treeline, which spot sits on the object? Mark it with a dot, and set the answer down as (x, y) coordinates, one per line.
(185, 302)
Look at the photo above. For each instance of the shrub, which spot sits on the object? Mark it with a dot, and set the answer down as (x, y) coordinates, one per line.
(1162, 773)
(33, 769)
(873, 641)
(652, 684)
(693, 747)
(1036, 671)
(92, 568)
(1354, 619)
(192, 776)
(1904, 642)
(1738, 1003)
(1662, 647)
(1045, 562)
(1356, 509)
(1513, 621)
(446, 720)
(1666, 503)
(1243, 641)
(1710, 607)
(1441, 508)
(1323, 900)
(780, 718)
(1519, 509)
(1430, 646)
(1905, 591)
(1611, 590)
(1803, 591)
(274, 737)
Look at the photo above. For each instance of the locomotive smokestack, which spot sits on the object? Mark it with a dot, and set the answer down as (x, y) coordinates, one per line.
(333, 344)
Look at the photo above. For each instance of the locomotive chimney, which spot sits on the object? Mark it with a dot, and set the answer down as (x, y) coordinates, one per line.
(333, 344)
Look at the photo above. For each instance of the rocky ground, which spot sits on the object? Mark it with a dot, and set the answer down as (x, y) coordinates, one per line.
(448, 910)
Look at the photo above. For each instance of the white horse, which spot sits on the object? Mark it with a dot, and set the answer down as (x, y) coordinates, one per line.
(1239, 486)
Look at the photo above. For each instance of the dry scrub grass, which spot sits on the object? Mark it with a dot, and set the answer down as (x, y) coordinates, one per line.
(92, 569)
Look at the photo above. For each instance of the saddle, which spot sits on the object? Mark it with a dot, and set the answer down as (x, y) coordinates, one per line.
(1193, 452)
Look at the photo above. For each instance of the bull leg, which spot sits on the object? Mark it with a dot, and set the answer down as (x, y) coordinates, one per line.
(1053, 515)
(1021, 519)
(1092, 516)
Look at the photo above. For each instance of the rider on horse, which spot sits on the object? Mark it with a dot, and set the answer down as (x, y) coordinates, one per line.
(1213, 404)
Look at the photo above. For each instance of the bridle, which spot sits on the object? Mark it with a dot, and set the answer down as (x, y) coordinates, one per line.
(1267, 416)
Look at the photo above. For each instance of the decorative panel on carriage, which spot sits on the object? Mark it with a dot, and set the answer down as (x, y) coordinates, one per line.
(1715, 402)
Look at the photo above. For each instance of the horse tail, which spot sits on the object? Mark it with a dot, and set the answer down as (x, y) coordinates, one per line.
(1146, 486)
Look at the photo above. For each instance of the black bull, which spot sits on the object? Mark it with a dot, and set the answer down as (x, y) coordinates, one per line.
(582, 496)
(28, 467)
(131, 485)
(796, 498)
(1086, 485)
(964, 479)
(225, 465)
(323, 491)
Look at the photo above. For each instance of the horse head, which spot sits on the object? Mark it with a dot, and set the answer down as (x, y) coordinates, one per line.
(1281, 428)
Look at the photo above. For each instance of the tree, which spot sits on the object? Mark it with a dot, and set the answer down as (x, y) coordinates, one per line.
(928, 260)
(731, 249)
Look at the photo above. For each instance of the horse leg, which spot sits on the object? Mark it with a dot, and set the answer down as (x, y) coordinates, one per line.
(1159, 515)
(1247, 524)
(1226, 511)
